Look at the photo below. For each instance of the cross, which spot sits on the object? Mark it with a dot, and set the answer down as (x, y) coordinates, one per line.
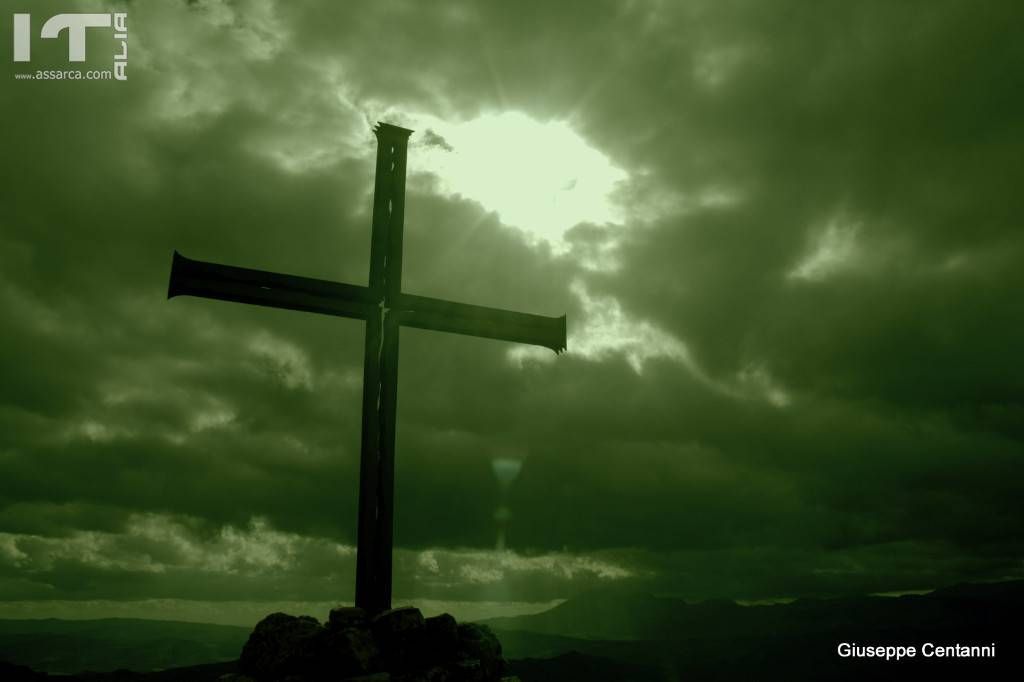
(384, 308)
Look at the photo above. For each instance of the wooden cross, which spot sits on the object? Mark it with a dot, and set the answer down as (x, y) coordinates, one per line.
(384, 308)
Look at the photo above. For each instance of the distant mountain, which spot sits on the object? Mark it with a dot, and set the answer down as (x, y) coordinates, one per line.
(210, 672)
(626, 616)
(610, 614)
(724, 641)
(71, 646)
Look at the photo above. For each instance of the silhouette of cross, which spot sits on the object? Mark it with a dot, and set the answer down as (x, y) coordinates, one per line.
(384, 308)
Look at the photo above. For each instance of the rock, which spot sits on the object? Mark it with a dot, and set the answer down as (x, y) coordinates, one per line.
(395, 646)
(478, 642)
(399, 634)
(351, 651)
(442, 631)
(397, 622)
(283, 646)
(280, 644)
(469, 670)
(347, 617)
(437, 643)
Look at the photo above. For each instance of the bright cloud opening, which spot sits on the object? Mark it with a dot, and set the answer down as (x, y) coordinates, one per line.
(540, 177)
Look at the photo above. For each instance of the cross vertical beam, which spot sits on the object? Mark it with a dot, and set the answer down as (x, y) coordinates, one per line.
(384, 308)
(380, 375)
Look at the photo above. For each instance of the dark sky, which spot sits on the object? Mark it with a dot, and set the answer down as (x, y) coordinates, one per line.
(786, 235)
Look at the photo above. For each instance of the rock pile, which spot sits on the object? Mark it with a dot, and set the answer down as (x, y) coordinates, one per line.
(399, 645)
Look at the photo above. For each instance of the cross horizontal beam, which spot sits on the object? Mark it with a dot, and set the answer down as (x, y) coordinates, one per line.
(258, 287)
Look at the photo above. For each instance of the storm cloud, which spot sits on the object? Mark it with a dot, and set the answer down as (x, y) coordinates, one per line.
(793, 341)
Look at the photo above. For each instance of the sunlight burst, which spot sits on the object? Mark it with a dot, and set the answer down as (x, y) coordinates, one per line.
(540, 177)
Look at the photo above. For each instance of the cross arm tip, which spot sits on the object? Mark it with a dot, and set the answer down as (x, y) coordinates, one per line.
(178, 261)
(564, 346)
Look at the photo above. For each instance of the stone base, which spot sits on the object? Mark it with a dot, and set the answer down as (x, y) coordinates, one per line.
(399, 645)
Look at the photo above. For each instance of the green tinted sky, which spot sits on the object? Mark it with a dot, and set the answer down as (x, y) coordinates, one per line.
(787, 237)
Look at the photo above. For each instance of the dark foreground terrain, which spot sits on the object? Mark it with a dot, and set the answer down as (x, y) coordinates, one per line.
(610, 636)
